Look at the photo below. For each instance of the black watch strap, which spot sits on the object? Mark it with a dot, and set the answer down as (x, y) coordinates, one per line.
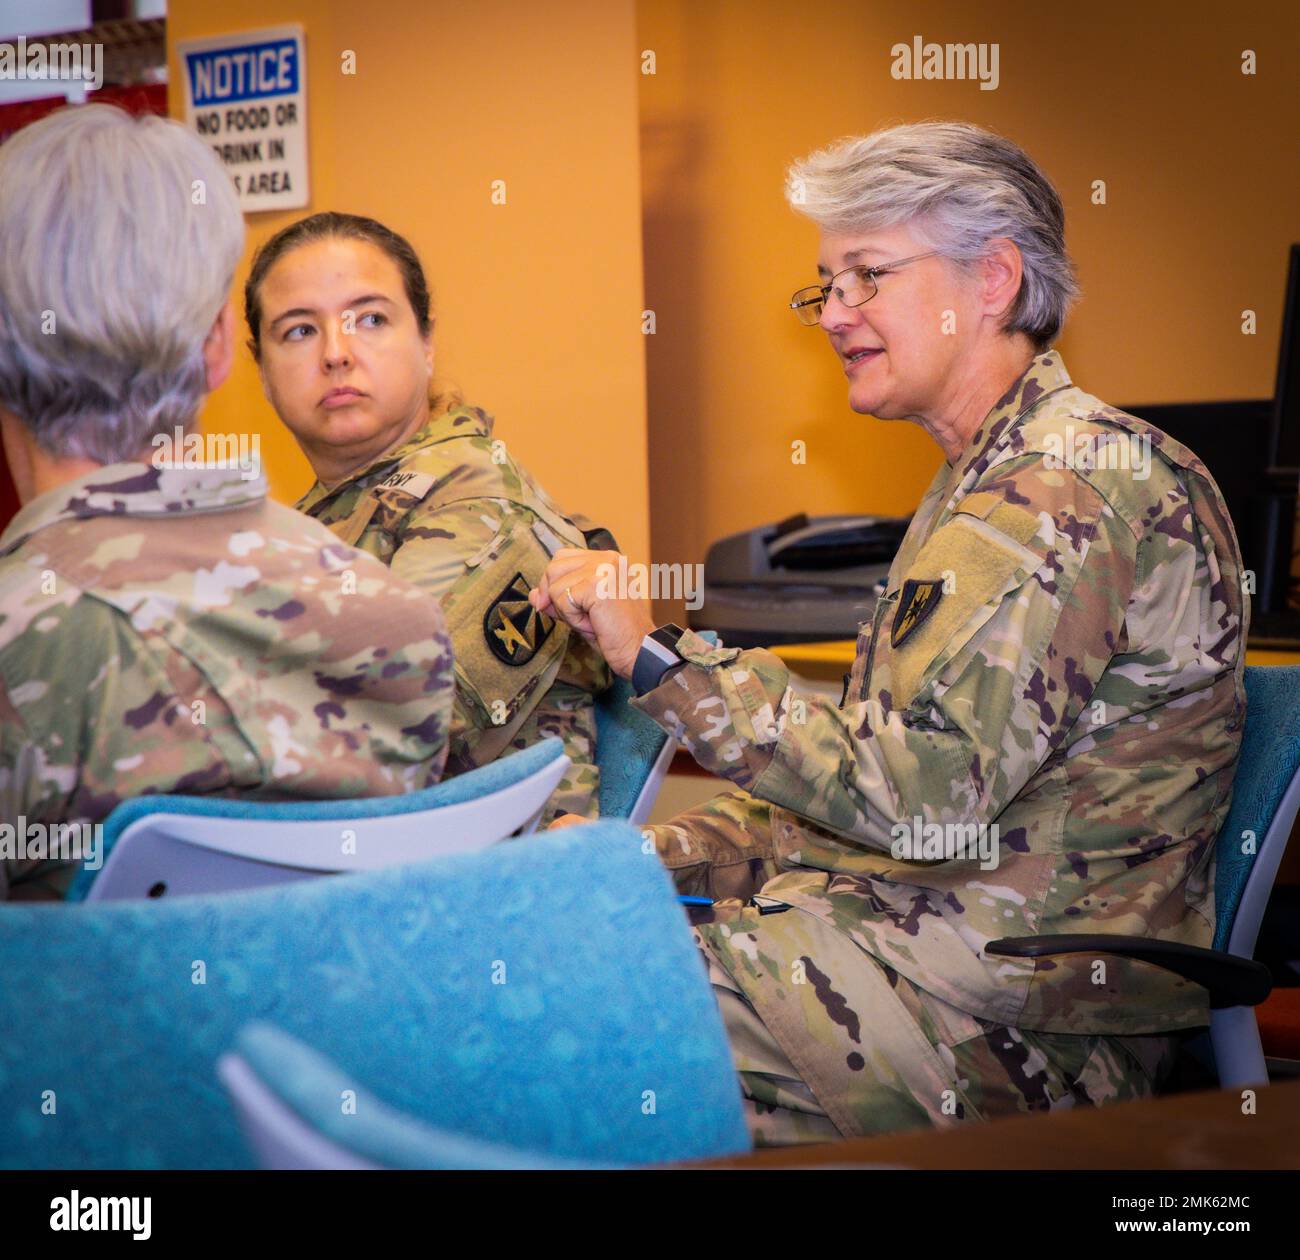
(657, 656)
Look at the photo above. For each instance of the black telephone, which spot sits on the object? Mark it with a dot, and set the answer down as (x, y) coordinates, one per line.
(797, 581)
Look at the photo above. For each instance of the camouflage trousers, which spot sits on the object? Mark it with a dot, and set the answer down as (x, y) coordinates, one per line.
(831, 1042)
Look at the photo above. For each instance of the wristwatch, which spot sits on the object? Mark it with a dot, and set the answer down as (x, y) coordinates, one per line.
(657, 657)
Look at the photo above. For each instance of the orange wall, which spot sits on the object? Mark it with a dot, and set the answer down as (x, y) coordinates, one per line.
(539, 301)
(1202, 166)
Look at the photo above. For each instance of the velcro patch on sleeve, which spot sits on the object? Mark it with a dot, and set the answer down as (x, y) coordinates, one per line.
(1015, 522)
(505, 650)
(975, 567)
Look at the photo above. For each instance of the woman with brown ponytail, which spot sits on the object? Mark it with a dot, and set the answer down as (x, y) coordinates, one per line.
(339, 315)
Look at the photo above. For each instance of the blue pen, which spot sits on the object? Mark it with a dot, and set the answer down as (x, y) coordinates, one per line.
(696, 901)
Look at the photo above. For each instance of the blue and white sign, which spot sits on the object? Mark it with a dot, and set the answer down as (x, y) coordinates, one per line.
(246, 95)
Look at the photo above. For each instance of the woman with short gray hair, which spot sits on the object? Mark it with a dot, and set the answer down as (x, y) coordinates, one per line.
(163, 626)
(105, 315)
(961, 187)
(1040, 729)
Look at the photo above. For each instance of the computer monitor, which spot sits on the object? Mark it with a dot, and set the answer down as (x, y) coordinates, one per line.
(1284, 450)
(1252, 449)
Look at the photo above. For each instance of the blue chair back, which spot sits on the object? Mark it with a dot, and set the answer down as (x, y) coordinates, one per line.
(543, 995)
(287, 1098)
(483, 782)
(628, 747)
(631, 751)
(1265, 798)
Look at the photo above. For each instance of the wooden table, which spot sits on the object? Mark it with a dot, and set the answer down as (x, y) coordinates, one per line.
(1205, 1129)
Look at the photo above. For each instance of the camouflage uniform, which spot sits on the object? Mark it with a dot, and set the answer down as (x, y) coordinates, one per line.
(1060, 652)
(450, 511)
(173, 631)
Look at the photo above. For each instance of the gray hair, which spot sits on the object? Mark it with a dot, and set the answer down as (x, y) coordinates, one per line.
(119, 239)
(957, 186)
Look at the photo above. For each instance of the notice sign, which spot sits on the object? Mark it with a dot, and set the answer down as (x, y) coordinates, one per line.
(246, 96)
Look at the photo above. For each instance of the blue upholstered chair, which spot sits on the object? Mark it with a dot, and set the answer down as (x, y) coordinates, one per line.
(633, 754)
(287, 1098)
(543, 995)
(182, 845)
(1265, 800)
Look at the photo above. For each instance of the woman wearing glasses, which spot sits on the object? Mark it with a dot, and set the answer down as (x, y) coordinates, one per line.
(1041, 726)
(338, 311)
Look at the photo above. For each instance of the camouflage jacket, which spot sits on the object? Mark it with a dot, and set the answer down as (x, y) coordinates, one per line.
(1058, 659)
(174, 631)
(452, 512)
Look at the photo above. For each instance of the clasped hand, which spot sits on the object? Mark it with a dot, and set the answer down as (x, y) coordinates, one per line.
(581, 588)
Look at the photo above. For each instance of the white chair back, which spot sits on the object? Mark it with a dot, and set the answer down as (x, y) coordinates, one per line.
(187, 854)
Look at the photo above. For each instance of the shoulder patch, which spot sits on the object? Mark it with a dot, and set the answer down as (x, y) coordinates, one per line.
(513, 629)
(916, 602)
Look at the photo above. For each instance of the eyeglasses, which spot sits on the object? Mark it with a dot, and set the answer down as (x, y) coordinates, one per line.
(859, 288)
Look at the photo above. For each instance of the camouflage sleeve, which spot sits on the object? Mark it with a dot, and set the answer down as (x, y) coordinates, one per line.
(437, 545)
(49, 721)
(953, 714)
(437, 549)
(18, 758)
(21, 794)
(53, 685)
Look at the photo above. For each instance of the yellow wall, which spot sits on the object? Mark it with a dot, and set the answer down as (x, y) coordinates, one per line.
(1201, 163)
(1202, 167)
(539, 301)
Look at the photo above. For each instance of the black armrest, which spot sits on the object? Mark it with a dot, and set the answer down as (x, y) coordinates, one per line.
(1230, 980)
